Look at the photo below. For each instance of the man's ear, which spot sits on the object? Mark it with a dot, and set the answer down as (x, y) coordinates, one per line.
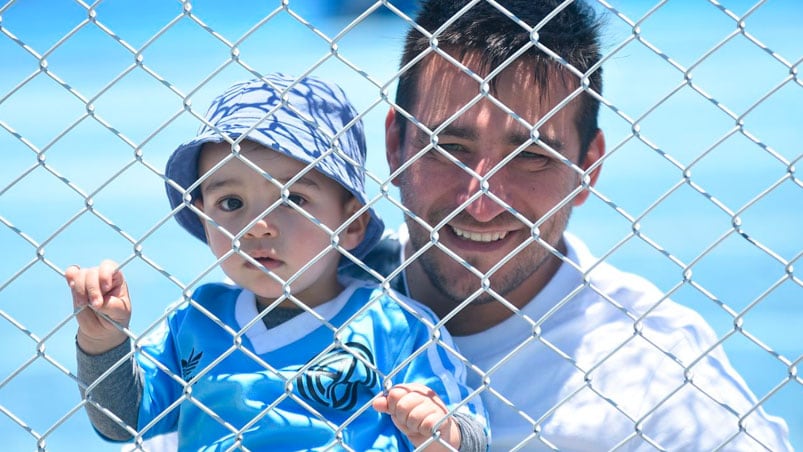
(393, 142)
(353, 234)
(596, 150)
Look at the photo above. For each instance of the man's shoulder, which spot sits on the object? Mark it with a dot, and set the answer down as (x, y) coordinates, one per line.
(620, 296)
(622, 299)
(381, 262)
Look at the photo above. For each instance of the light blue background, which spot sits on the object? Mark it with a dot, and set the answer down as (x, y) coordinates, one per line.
(44, 229)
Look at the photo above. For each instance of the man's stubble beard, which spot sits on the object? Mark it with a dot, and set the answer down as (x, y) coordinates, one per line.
(520, 267)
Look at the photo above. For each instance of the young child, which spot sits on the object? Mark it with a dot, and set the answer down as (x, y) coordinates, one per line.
(290, 357)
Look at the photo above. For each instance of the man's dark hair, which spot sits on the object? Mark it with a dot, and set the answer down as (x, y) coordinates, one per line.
(572, 34)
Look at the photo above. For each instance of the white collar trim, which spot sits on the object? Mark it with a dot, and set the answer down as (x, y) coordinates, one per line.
(266, 340)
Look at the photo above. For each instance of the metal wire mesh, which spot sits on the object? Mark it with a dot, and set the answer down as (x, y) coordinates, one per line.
(95, 96)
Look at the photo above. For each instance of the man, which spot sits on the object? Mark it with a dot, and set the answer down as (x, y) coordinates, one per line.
(492, 141)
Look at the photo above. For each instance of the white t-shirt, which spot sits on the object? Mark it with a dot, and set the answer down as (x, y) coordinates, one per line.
(601, 359)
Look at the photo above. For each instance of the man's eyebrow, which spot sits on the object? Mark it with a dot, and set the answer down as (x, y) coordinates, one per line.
(519, 138)
(514, 139)
(555, 143)
(458, 131)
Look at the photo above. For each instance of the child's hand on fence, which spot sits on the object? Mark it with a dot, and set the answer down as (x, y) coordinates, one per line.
(99, 291)
(416, 410)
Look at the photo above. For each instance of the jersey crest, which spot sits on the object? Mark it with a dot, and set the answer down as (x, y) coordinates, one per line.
(337, 378)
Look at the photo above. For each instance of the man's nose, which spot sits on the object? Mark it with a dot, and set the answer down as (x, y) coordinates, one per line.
(488, 191)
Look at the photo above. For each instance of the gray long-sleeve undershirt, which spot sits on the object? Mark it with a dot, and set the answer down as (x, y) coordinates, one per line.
(120, 392)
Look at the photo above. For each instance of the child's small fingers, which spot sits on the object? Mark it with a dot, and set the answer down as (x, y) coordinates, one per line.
(71, 273)
(76, 280)
(427, 420)
(108, 275)
(94, 294)
(71, 270)
(380, 404)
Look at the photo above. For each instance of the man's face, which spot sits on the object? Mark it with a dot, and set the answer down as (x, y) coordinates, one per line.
(528, 197)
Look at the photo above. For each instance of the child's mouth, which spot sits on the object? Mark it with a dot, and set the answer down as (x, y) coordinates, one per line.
(265, 261)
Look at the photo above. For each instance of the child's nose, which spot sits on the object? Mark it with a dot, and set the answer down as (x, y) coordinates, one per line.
(264, 226)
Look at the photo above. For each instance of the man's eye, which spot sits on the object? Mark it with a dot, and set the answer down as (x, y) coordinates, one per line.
(448, 152)
(452, 148)
(533, 156)
(229, 204)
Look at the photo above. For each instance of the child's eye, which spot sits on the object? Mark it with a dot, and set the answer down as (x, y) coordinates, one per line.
(296, 199)
(229, 204)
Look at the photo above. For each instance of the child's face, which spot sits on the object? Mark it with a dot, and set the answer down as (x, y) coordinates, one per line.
(283, 240)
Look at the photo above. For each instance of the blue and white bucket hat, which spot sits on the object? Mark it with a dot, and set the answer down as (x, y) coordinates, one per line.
(297, 117)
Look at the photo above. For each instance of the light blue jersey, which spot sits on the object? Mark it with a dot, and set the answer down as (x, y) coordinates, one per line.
(304, 384)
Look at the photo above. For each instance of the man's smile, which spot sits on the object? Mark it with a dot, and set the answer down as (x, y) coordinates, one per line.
(486, 237)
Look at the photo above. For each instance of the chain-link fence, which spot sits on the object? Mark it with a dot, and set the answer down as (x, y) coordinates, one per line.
(699, 190)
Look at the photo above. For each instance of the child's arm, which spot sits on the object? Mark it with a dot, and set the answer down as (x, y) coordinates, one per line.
(101, 345)
(416, 410)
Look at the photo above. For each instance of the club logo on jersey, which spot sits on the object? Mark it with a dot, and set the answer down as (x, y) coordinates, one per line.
(336, 379)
